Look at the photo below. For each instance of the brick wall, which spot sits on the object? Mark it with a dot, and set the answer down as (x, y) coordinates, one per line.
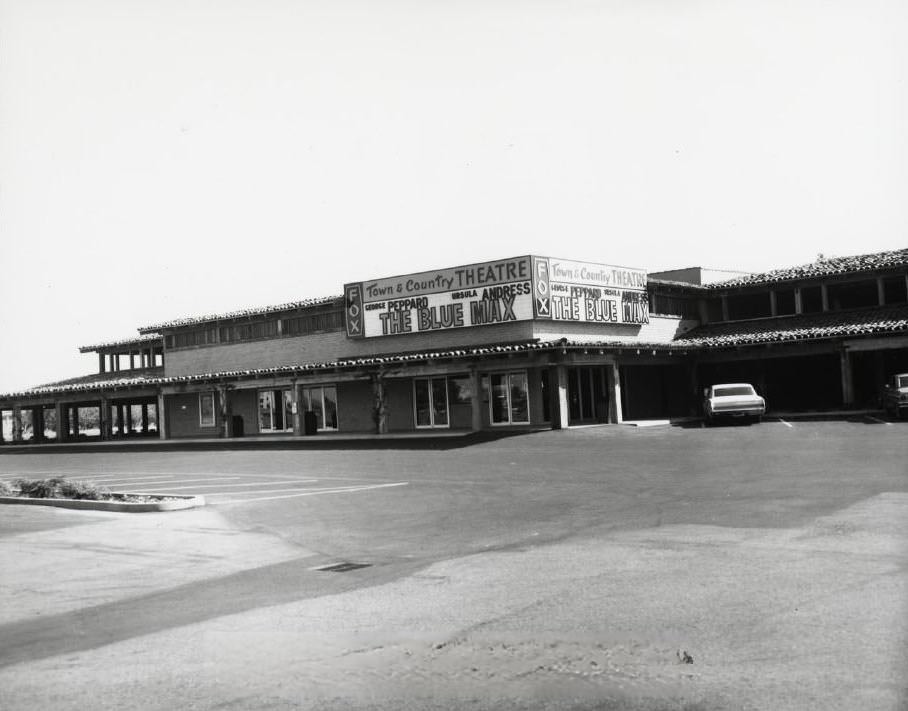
(354, 407)
(325, 347)
(274, 352)
(183, 417)
(399, 392)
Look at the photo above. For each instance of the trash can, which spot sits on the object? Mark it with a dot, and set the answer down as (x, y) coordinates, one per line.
(237, 426)
(310, 423)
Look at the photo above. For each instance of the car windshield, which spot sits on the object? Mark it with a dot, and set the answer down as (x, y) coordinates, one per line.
(902, 381)
(735, 390)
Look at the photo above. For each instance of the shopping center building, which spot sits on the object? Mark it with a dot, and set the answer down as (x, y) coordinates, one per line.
(526, 342)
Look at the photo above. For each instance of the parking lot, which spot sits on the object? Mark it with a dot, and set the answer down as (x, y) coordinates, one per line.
(549, 570)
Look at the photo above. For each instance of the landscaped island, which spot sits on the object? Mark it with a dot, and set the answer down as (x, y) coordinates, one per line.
(58, 491)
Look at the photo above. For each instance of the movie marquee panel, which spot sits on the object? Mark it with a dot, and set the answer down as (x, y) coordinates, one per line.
(596, 293)
(517, 289)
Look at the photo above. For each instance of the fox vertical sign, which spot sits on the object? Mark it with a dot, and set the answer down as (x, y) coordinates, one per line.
(353, 310)
(542, 292)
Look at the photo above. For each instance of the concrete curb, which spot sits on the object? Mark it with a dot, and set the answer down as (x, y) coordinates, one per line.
(181, 502)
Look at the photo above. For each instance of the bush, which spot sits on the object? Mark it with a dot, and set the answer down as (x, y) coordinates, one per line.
(39, 488)
(82, 490)
(59, 488)
(6, 489)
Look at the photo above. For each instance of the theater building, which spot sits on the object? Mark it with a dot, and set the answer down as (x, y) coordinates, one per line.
(520, 343)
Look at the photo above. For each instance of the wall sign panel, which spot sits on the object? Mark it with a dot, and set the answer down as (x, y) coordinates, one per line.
(518, 289)
(597, 293)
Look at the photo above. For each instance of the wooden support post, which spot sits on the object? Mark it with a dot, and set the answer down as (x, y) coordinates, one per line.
(880, 291)
(847, 378)
(38, 423)
(379, 403)
(127, 410)
(824, 298)
(475, 399)
(101, 368)
(17, 423)
(74, 420)
(144, 418)
(773, 305)
(132, 361)
(62, 423)
(296, 407)
(725, 307)
(799, 303)
(560, 411)
(615, 410)
(225, 411)
(161, 417)
(104, 418)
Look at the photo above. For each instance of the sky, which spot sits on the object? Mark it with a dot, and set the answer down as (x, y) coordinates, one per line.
(182, 157)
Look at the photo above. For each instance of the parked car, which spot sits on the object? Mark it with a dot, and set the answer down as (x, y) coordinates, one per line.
(732, 400)
(895, 395)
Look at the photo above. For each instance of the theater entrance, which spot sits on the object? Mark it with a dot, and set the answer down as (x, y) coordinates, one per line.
(587, 395)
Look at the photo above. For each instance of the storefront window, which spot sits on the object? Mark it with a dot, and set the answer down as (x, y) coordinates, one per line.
(520, 398)
(430, 398)
(510, 402)
(275, 411)
(500, 407)
(322, 400)
(206, 409)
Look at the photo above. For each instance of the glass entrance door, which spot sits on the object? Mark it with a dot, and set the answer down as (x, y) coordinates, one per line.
(430, 400)
(275, 411)
(587, 395)
(510, 398)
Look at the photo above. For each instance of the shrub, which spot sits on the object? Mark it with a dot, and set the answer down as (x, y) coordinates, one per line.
(59, 488)
(39, 488)
(82, 490)
(6, 489)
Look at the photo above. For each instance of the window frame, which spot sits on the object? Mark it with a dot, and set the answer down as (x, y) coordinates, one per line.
(305, 399)
(507, 374)
(432, 425)
(214, 419)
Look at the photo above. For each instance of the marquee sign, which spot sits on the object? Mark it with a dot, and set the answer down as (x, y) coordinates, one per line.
(592, 293)
(472, 295)
(518, 289)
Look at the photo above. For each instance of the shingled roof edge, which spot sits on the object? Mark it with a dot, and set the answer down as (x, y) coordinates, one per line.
(141, 338)
(241, 313)
(851, 264)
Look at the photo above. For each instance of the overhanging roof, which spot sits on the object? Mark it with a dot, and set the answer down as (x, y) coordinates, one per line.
(824, 267)
(137, 341)
(243, 313)
(838, 324)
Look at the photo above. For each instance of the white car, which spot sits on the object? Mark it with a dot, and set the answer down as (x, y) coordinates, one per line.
(895, 395)
(733, 400)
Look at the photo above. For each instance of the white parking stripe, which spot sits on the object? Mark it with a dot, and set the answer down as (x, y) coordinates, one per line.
(142, 482)
(114, 479)
(877, 419)
(245, 483)
(314, 492)
(787, 424)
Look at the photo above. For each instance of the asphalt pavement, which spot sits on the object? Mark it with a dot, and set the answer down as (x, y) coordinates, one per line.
(570, 569)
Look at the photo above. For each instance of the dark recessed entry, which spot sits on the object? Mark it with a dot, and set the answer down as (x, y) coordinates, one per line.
(343, 567)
